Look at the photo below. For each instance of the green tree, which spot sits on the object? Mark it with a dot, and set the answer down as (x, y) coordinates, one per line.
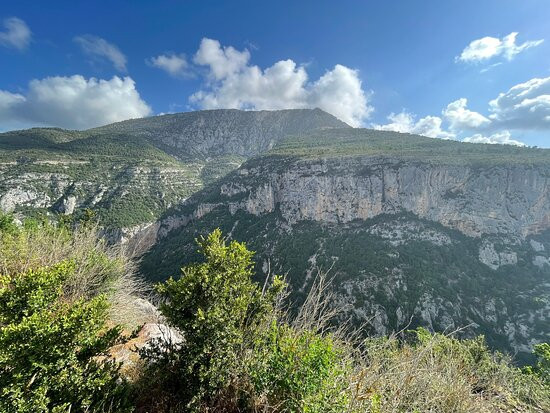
(217, 309)
(52, 349)
(7, 223)
(542, 366)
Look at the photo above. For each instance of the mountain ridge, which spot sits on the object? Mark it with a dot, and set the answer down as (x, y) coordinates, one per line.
(130, 172)
(443, 233)
(440, 241)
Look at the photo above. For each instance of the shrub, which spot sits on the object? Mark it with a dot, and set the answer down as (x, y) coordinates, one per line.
(99, 268)
(300, 371)
(444, 374)
(7, 223)
(218, 310)
(52, 349)
(542, 366)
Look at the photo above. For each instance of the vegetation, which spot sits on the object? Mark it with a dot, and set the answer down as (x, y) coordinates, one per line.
(240, 349)
(367, 142)
(357, 256)
(542, 365)
(62, 294)
(49, 347)
(246, 353)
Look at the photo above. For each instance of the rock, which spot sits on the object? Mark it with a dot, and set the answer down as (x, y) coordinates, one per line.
(537, 246)
(128, 353)
(540, 261)
(68, 205)
(490, 257)
(336, 190)
(15, 197)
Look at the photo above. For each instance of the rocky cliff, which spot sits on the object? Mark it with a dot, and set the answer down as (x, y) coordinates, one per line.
(221, 132)
(413, 234)
(511, 200)
(131, 172)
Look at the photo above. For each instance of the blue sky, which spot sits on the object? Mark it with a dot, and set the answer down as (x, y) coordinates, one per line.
(80, 64)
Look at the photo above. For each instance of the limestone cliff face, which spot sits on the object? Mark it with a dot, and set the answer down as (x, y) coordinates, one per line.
(513, 200)
(442, 246)
(125, 187)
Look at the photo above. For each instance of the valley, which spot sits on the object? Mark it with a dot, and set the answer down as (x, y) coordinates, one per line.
(415, 231)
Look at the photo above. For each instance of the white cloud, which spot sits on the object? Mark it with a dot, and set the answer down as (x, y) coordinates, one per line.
(100, 48)
(461, 118)
(503, 138)
(233, 83)
(405, 122)
(524, 106)
(173, 64)
(222, 62)
(16, 34)
(490, 67)
(73, 102)
(8, 99)
(489, 47)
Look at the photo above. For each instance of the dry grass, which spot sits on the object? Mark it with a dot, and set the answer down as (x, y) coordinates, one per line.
(429, 373)
(440, 375)
(100, 268)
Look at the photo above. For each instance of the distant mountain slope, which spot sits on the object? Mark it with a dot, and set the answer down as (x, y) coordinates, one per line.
(132, 171)
(221, 132)
(445, 234)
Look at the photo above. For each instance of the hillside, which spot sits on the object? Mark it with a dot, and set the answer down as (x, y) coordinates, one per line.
(132, 171)
(416, 231)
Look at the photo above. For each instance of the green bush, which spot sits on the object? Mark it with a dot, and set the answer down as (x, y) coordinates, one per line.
(7, 223)
(542, 366)
(52, 349)
(301, 371)
(99, 268)
(218, 310)
(440, 373)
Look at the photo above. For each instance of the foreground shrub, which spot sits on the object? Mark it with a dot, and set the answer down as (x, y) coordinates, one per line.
(300, 371)
(542, 365)
(98, 267)
(219, 311)
(52, 349)
(440, 373)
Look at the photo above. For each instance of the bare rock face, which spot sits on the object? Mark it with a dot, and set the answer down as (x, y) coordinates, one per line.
(493, 259)
(511, 200)
(224, 131)
(151, 333)
(445, 246)
(68, 205)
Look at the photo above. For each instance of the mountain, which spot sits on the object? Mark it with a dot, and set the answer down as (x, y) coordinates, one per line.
(131, 172)
(415, 231)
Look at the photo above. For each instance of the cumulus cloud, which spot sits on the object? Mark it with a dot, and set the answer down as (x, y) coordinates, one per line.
(16, 33)
(461, 118)
(405, 122)
(232, 82)
(99, 48)
(73, 102)
(503, 138)
(524, 106)
(222, 61)
(173, 64)
(488, 47)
